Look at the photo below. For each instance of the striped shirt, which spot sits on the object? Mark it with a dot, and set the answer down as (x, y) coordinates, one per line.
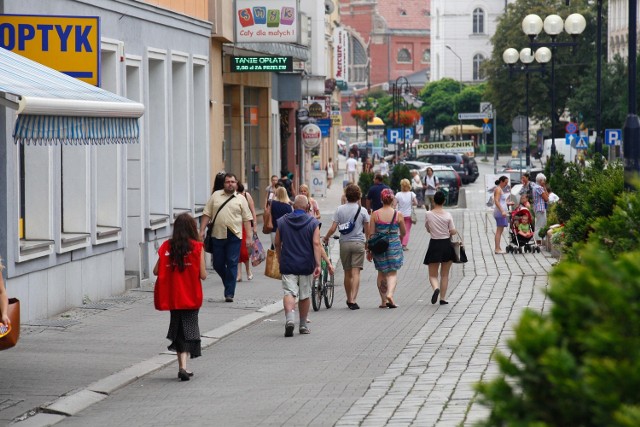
(539, 205)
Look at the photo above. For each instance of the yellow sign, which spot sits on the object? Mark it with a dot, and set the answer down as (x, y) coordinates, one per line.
(69, 44)
(486, 120)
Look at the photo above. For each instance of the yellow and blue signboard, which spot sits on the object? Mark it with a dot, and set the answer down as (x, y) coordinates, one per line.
(69, 44)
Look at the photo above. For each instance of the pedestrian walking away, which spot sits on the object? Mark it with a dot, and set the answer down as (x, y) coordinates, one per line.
(352, 168)
(374, 202)
(431, 184)
(280, 206)
(330, 173)
(244, 249)
(406, 200)
(230, 214)
(298, 248)
(180, 270)
(353, 221)
(440, 253)
(384, 167)
(390, 221)
(500, 210)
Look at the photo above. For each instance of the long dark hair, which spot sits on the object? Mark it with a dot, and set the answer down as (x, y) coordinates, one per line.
(184, 230)
(218, 182)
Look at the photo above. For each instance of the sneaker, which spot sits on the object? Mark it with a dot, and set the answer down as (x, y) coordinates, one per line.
(288, 329)
(304, 330)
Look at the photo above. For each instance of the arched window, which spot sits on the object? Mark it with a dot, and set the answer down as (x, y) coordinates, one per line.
(426, 55)
(478, 21)
(404, 55)
(478, 74)
(358, 61)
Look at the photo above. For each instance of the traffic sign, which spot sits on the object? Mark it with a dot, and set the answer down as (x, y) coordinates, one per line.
(582, 143)
(475, 116)
(571, 138)
(486, 128)
(571, 127)
(612, 136)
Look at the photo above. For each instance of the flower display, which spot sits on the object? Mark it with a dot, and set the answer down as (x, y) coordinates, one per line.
(363, 115)
(405, 118)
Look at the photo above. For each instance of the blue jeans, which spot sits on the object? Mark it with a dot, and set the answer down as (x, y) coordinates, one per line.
(225, 261)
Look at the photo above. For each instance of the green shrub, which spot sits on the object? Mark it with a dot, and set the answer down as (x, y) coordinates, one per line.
(398, 173)
(365, 182)
(579, 364)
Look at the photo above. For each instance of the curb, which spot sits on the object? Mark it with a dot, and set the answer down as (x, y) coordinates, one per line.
(73, 404)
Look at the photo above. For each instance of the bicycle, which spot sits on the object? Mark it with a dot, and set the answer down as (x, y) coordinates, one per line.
(322, 286)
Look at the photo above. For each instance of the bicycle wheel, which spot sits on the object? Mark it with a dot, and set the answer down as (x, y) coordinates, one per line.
(316, 293)
(328, 289)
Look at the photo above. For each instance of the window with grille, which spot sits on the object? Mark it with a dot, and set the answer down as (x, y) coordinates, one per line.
(404, 55)
(478, 74)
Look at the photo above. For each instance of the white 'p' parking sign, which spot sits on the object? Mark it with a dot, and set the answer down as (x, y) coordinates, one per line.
(612, 136)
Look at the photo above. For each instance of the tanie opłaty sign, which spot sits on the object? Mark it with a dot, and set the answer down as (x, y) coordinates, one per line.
(311, 136)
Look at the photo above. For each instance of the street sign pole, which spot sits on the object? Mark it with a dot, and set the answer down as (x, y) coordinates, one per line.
(495, 141)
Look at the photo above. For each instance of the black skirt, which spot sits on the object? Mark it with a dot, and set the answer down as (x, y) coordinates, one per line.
(440, 250)
(184, 332)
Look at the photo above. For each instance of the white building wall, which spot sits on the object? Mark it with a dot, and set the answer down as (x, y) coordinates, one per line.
(452, 24)
(618, 28)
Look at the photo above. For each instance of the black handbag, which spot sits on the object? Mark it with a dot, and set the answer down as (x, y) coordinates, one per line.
(458, 249)
(379, 242)
(208, 236)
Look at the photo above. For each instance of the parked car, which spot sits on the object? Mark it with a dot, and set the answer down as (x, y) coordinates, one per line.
(515, 167)
(421, 167)
(466, 166)
(450, 182)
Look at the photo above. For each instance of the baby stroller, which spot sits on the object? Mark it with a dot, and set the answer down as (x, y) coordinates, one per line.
(521, 241)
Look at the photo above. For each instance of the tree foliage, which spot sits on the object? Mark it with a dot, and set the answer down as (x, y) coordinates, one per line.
(578, 365)
(507, 92)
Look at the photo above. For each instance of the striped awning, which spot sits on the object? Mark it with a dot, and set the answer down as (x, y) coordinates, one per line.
(53, 108)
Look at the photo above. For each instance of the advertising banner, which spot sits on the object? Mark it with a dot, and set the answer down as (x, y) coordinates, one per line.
(341, 55)
(69, 44)
(267, 21)
(318, 183)
(464, 147)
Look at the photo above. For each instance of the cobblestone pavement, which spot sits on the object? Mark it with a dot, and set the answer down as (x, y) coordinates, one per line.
(414, 365)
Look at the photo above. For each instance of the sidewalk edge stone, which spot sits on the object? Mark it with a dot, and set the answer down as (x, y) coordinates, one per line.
(75, 403)
(128, 375)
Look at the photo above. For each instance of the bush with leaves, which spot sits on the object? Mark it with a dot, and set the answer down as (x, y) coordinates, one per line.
(578, 365)
(399, 173)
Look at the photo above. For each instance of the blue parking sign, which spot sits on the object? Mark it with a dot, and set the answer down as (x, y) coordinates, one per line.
(612, 136)
(394, 135)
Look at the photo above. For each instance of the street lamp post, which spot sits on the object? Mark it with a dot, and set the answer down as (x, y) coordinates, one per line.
(402, 89)
(532, 26)
(459, 81)
(510, 57)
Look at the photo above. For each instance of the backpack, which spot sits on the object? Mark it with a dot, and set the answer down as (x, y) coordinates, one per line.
(490, 201)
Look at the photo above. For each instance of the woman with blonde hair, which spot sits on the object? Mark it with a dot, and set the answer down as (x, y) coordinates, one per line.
(406, 200)
(280, 206)
(314, 210)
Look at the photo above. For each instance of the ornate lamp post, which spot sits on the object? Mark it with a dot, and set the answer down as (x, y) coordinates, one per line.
(542, 56)
(532, 26)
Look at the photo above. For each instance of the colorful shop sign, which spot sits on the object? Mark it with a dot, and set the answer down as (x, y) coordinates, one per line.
(69, 44)
(267, 21)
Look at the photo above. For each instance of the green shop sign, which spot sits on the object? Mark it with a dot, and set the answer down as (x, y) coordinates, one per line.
(269, 64)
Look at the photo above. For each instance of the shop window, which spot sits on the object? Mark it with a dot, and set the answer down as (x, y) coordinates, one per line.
(156, 113)
(478, 21)
(75, 187)
(36, 190)
(180, 138)
(108, 173)
(200, 135)
(252, 143)
(404, 56)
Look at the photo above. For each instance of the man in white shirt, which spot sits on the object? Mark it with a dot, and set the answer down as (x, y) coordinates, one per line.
(352, 169)
(384, 167)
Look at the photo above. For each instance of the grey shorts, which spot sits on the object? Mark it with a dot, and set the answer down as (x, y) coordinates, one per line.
(298, 286)
(352, 255)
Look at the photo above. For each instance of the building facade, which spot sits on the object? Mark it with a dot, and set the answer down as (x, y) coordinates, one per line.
(78, 219)
(461, 37)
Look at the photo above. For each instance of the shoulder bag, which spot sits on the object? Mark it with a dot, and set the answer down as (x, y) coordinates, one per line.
(208, 237)
(267, 221)
(458, 248)
(347, 227)
(379, 242)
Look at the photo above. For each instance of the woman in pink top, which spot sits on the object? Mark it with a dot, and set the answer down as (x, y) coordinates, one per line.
(440, 253)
